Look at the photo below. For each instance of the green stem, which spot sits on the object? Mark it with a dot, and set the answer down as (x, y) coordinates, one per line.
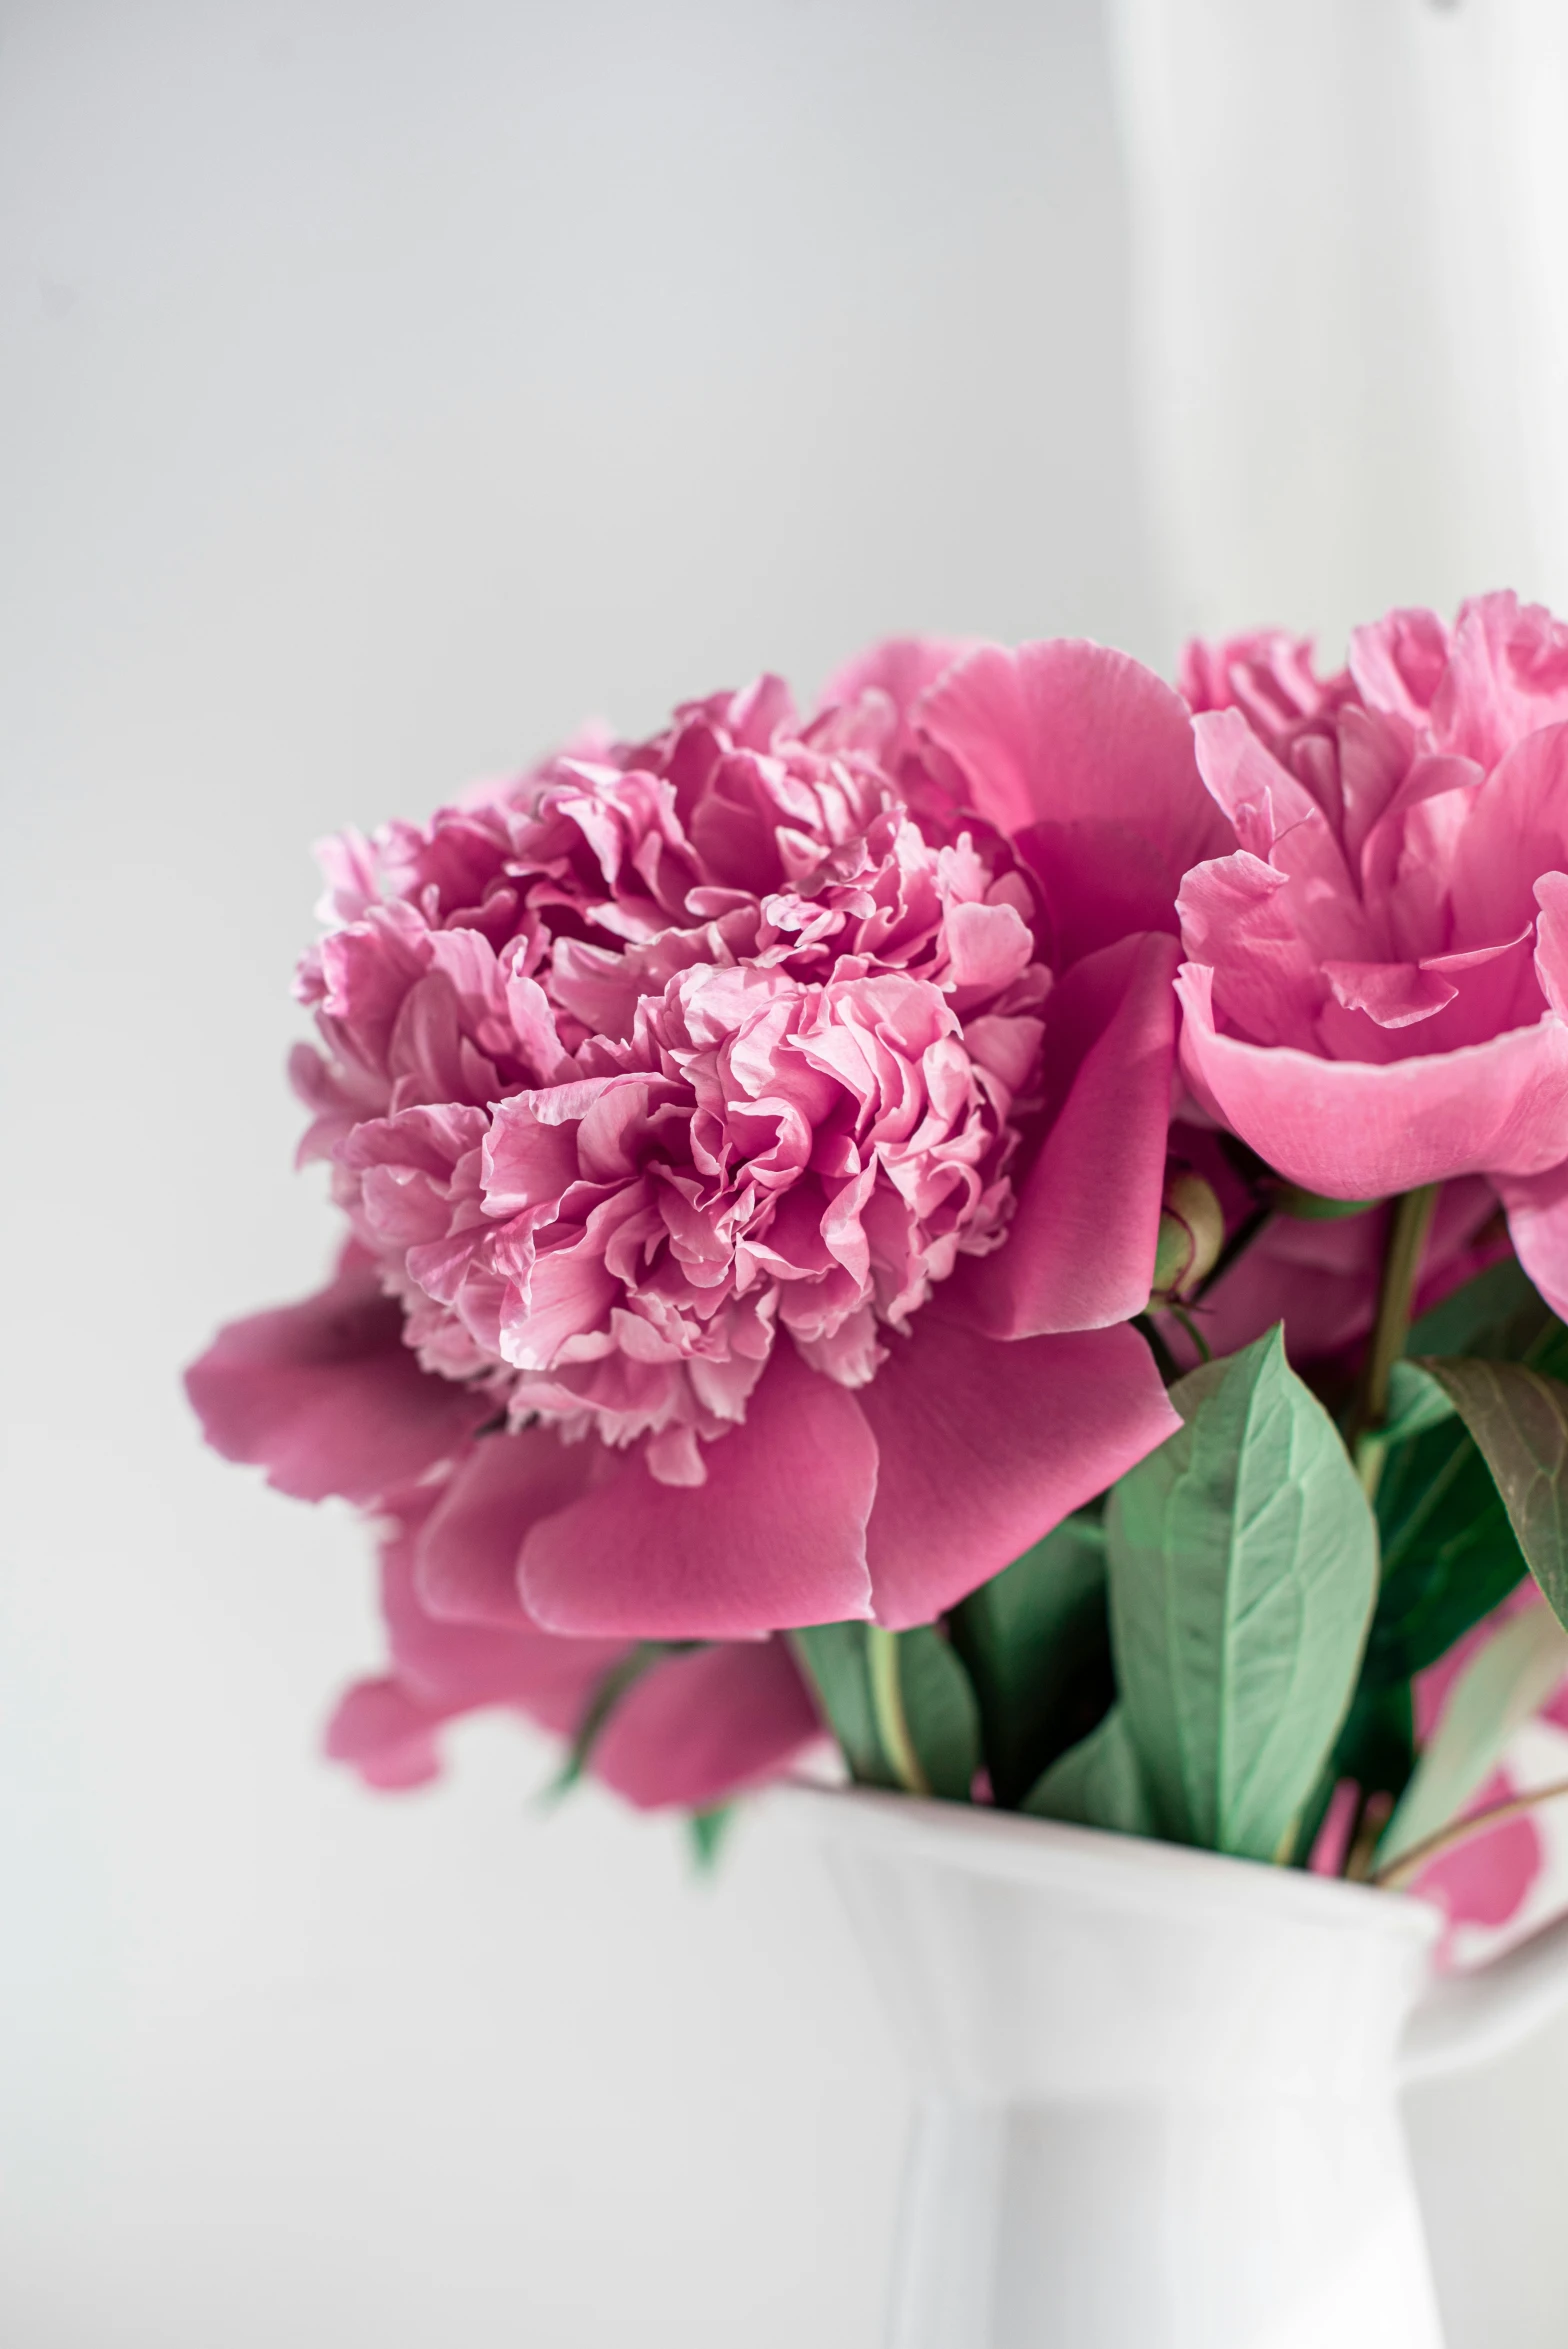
(887, 1705)
(1409, 1225)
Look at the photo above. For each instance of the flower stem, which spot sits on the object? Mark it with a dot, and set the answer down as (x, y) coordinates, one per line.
(1457, 1831)
(887, 1706)
(1409, 1225)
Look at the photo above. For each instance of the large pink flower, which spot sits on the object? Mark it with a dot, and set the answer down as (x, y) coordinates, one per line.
(765, 1124)
(1377, 975)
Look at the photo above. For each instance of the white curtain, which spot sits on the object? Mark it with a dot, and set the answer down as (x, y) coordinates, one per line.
(1350, 229)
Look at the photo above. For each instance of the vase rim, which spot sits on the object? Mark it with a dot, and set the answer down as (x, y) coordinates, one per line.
(1135, 1869)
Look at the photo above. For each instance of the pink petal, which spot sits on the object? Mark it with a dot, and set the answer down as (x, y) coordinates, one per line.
(902, 667)
(388, 1735)
(986, 1444)
(1080, 1250)
(1356, 1129)
(1538, 1226)
(468, 1550)
(1485, 1880)
(327, 1398)
(775, 1537)
(1087, 758)
(1395, 994)
(702, 1727)
(456, 1667)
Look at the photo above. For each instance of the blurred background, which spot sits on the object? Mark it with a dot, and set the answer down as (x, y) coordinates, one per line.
(385, 388)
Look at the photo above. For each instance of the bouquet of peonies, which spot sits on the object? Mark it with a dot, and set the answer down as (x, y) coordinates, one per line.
(1018, 1220)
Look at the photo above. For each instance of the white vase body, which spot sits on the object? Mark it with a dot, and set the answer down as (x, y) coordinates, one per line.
(1158, 2089)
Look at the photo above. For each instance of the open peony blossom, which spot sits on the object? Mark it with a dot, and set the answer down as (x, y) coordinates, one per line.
(1376, 989)
(760, 1129)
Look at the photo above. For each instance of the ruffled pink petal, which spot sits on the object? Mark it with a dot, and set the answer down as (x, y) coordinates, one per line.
(985, 1445)
(468, 1550)
(775, 1537)
(1538, 1226)
(1355, 1129)
(327, 1398)
(902, 667)
(1086, 758)
(1080, 1249)
(702, 1727)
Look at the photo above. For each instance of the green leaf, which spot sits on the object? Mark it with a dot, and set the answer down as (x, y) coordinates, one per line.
(1243, 1566)
(1098, 1783)
(940, 1712)
(1415, 1403)
(1499, 1314)
(1449, 1553)
(1518, 1419)
(707, 1830)
(833, 1658)
(1498, 1691)
(1036, 1642)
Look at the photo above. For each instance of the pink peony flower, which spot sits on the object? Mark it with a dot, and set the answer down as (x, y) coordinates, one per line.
(767, 1121)
(1377, 974)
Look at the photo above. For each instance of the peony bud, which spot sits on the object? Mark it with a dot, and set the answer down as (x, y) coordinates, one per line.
(1192, 1233)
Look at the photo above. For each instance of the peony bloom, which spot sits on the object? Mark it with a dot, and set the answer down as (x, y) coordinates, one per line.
(1377, 975)
(761, 1128)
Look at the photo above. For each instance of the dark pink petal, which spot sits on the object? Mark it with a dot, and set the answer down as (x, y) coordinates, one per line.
(1086, 758)
(466, 1554)
(388, 1735)
(1485, 1880)
(774, 1537)
(1356, 1129)
(456, 1667)
(327, 1398)
(1080, 1249)
(985, 1445)
(702, 1727)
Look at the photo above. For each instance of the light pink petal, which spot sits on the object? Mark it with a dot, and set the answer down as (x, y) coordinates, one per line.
(1086, 758)
(1538, 1226)
(327, 1398)
(1515, 829)
(902, 667)
(1080, 1250)
(468, 1549)
(702, 1727)
(774, 1538)
(1398, 663)
(1395, 994)
(1551, 940)
(1359, 1130)
(1507, 675)
(986, 1444)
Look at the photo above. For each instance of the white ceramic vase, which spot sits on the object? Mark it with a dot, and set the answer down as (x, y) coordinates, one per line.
(1158, 2088)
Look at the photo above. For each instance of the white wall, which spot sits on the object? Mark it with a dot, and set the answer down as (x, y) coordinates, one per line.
(384, 388)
